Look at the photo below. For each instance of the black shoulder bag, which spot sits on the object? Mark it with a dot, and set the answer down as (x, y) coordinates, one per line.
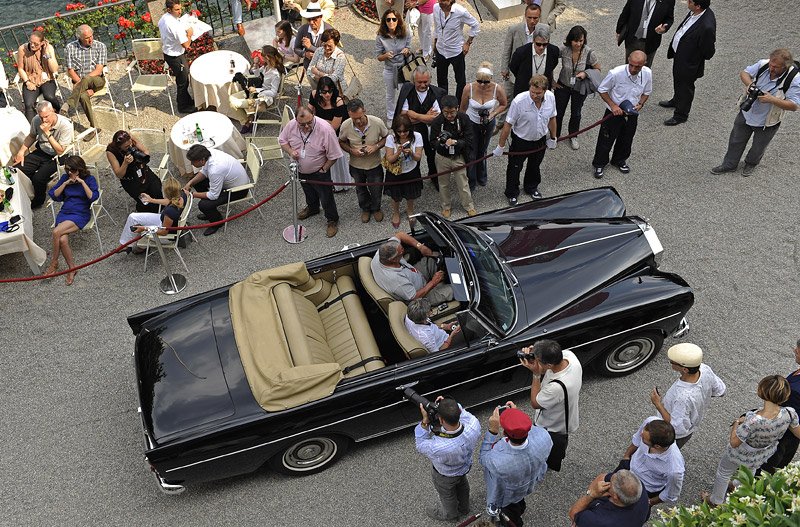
(560, 439)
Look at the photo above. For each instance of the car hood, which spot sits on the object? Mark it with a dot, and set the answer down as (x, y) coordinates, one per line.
(558, 263)
(182, 384)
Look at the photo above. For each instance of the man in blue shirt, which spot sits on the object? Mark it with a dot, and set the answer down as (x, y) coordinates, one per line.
(779, 82)
(515, 463)
(449, 446)
(612, 500)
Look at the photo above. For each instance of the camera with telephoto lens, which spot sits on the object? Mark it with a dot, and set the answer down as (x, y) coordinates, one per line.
(484, 115)
(753, 93)
(138, 156)
(444, 135)
(430, 407)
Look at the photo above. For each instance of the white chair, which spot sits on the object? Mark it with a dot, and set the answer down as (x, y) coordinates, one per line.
(253, 162)
(156, 143)
(171, 239)
(269, 144)
(97, 95)
(97, 209)
(148, 49)
(275, 109)
(94, 153)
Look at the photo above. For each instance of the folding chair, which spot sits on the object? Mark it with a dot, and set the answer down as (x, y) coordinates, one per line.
(97, 209)
(253, 162)
(171, 239)
(94, 153)
(272, 109)
(96, 96)
(148, 49)
(266, 144)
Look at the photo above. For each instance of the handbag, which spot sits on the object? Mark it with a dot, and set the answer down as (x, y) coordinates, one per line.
(394, 168)
(560, 439)
(590, 84)
(405, 73)
(353, 89)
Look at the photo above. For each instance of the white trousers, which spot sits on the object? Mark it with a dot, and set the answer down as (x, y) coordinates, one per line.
(725, 470)
(390, 79)
(425, 31)
(148, 219)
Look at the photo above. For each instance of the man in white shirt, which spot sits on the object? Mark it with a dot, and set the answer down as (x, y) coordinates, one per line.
(685, 403)
(175, 40)
(655, 458)
(218, 173)
(630, 86)
(449, 47)
(531, 122)
(434, 337)
(555, 390)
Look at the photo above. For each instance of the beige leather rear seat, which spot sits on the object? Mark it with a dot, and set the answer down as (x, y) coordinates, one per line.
(326, 323)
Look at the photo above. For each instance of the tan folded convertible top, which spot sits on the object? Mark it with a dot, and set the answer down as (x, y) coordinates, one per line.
(276, 382)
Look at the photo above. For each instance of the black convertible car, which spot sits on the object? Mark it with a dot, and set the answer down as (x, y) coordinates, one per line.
(292, 365)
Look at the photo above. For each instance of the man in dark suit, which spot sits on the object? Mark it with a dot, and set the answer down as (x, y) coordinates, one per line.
(692, 45)
(543, 59)
(641, 24)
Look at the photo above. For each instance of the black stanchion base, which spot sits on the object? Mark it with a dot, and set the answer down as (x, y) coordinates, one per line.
(174, 286)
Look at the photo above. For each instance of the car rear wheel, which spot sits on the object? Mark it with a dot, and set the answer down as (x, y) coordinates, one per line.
(310, 455)
(628, 354)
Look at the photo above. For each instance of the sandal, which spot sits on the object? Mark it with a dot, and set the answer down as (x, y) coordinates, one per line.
(396, 220)
(52, 269)
(71, 277)
(412, 222)
(705, 497)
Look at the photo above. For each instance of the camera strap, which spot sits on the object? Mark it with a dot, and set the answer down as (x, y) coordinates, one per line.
(449, 435)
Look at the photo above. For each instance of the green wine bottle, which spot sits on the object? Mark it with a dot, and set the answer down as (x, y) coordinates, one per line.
(198, 132)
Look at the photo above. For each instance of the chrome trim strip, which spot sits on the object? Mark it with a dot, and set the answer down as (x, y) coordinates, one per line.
(304, 432)
(683, 329)
(633, 231)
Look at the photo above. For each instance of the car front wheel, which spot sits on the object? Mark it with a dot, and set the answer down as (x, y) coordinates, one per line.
(628, 354)
(310, 455)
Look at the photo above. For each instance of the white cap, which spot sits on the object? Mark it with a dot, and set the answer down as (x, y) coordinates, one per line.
(686, 354)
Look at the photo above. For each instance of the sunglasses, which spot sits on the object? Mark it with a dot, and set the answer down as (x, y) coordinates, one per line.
(483, 82)
(391, 19)
(72, 170)
(326, 91)
(540, 44)
(363, 139)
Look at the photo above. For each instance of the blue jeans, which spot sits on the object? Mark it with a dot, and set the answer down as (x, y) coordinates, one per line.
(477, 174)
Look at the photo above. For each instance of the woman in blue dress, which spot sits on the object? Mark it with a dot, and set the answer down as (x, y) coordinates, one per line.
(76, 189)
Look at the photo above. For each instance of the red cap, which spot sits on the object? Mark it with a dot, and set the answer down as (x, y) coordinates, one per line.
(515, 423)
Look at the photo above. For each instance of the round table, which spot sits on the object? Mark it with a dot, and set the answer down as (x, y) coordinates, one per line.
(21, 240)
(218, 133)
(212, 84)
(13, 131)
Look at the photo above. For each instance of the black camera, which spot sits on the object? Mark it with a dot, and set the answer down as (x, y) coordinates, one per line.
(484, 115)
(430, 407)
(444, 135)
(138, 156)
(753, 93)
(526, 356)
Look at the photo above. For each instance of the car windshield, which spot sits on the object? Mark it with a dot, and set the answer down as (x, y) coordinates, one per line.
(496, 300)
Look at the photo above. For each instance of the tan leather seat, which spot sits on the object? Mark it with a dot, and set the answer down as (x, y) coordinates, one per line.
(411, 346)
(325, 323)
(381, 297)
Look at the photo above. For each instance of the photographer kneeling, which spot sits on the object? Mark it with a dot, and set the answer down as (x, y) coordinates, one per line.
(128, 159)
(449, 444)
(772, 88)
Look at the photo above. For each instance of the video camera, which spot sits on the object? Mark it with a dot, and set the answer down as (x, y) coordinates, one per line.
(483, 113)
(138, 156)
(753, 93)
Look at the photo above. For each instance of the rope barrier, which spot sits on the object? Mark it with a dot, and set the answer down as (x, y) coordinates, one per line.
(460, 167)
(123, 246)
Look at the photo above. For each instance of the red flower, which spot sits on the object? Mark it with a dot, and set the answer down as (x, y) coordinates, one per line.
(119, 36)
(146, 17)
(58, 15)
(125, 23)
(39, 28)
(195, 12)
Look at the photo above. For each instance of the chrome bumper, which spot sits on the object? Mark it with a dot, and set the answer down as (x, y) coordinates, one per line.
(167, 488)
(682, 330)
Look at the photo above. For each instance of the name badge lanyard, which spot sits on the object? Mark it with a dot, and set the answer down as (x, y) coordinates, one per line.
(538, 65)
(305, 141)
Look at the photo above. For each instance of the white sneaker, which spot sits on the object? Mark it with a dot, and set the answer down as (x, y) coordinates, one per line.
(573, 143)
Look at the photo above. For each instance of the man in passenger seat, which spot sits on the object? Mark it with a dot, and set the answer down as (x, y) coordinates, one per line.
(404, 281)
(434, 337)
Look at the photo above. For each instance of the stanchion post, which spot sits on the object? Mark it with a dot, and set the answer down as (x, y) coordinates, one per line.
(294, 233)
(172, 284)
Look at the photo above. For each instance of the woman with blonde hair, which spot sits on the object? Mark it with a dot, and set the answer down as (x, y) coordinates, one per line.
(482, 101)
(37, 68)
(754, 436)
(173, 203)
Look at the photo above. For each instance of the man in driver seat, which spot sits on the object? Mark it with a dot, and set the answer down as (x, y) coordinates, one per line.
(407, 282)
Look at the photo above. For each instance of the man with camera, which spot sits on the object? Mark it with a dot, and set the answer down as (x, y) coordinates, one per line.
(448, 435)
(556, 386)
(515, 463)
(772, 87)
(451, 135)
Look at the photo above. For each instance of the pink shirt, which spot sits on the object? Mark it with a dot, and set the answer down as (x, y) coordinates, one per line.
(427, 7)
(319, 145)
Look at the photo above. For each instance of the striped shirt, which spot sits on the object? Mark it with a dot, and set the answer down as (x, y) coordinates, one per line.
(450, 456)
(84, 60)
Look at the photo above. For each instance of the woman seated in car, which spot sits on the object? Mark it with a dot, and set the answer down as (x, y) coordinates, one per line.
(418, 323)
(173, 203)
(128, 159)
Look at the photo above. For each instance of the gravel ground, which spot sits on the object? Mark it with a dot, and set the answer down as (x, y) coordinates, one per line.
(72, 443)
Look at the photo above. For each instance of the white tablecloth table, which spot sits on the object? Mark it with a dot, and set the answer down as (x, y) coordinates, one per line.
(212, 84)
(218, 132)
(21, 240)
(13, 130)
